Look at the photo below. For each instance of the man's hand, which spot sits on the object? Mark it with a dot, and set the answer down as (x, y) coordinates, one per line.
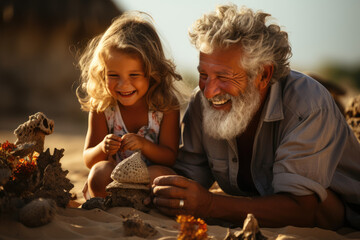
(174, 195)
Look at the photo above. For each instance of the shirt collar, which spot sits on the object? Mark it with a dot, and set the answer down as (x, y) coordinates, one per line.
(274, 104)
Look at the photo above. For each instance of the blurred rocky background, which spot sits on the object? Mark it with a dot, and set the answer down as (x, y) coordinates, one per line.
(39, 45)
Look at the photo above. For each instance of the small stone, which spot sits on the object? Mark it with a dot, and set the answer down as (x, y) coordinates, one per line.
(95, 202)
(38, 212)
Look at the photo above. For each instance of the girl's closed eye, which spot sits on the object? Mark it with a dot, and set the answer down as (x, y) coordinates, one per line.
(135, 75)
(112, 75)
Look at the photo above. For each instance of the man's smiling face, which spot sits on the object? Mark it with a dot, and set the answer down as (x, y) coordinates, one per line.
(229, 98)
(222, 77)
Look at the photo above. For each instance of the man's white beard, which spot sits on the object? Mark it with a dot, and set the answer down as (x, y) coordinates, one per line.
(221, 124)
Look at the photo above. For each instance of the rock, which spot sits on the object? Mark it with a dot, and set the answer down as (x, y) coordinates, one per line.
(95, 202)
(38, 212)
(121, 197)
(135, 226)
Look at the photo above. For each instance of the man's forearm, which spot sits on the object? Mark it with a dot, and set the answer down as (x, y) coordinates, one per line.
(272, 211)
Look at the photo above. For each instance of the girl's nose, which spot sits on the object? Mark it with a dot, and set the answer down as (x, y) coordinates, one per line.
(211, 88)
(122, 82)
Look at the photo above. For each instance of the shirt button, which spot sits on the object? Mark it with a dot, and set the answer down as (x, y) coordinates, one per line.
(234, 159)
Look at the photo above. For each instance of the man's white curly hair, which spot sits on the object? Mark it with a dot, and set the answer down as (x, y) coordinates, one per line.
(261, 43)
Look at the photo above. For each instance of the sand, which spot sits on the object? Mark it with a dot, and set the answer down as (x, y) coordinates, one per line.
(76, 223)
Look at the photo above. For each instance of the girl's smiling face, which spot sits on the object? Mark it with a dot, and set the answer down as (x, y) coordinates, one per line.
(125, 77)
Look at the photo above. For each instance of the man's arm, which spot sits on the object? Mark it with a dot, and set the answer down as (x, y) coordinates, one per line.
(277, 210)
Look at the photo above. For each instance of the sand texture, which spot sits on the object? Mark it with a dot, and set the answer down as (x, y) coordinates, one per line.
(76, 223)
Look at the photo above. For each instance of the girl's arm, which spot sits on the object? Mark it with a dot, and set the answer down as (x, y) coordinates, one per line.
(94, 148)
(163, 153)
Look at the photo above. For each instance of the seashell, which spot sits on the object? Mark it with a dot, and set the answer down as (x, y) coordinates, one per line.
(131, 170)
(38, 212)
(250, 230)
(116, 184)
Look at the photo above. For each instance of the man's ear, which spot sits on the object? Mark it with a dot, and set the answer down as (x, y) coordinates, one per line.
(266, 76)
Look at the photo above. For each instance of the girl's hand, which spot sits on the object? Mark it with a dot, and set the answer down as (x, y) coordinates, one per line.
(111, 144)
(132, 141)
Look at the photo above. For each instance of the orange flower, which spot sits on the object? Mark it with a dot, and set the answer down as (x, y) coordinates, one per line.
(5, 153)
(8, 147)
(26, 167)
(191, 228)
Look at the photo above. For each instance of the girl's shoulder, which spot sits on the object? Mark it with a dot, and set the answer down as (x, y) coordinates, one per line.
(156, 117)
(110, 110)
(111, 113)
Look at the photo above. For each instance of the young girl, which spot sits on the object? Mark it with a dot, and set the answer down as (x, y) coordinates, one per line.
(127, 87)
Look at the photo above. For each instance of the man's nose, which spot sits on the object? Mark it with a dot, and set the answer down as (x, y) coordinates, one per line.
(211, 88)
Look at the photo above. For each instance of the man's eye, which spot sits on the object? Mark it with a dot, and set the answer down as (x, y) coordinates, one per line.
(222, 78)
(203, 76)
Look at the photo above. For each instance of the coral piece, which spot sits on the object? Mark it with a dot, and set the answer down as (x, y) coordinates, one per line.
(352, 114)
(5, 174)
(131, 184)
(135, 226)
(38, 212)
(24, 149)
(35, 176)
(191, 228)
(54, 183)
(34, 130)
(131, 170)
(250, 231)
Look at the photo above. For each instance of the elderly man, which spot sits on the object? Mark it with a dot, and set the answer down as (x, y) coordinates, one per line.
(261, 131)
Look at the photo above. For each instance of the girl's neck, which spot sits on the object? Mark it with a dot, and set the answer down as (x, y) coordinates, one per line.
(140, 105)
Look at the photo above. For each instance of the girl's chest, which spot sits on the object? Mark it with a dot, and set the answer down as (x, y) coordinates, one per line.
(135, 120)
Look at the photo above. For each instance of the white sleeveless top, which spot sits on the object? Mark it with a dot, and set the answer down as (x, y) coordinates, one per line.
(117, 126)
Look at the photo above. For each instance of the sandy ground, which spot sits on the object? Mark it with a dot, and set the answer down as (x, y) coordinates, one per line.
(76, 223)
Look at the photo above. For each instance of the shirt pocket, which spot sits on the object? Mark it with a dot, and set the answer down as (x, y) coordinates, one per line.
(220, 170)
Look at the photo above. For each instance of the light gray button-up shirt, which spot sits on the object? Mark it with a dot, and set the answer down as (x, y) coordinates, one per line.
(302, 146)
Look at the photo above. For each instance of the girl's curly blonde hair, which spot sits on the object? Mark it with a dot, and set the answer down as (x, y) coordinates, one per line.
(261, 43)
(132, 32)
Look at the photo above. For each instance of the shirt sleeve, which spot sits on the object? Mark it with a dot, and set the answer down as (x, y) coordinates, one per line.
(308, 154)
(192, 161)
